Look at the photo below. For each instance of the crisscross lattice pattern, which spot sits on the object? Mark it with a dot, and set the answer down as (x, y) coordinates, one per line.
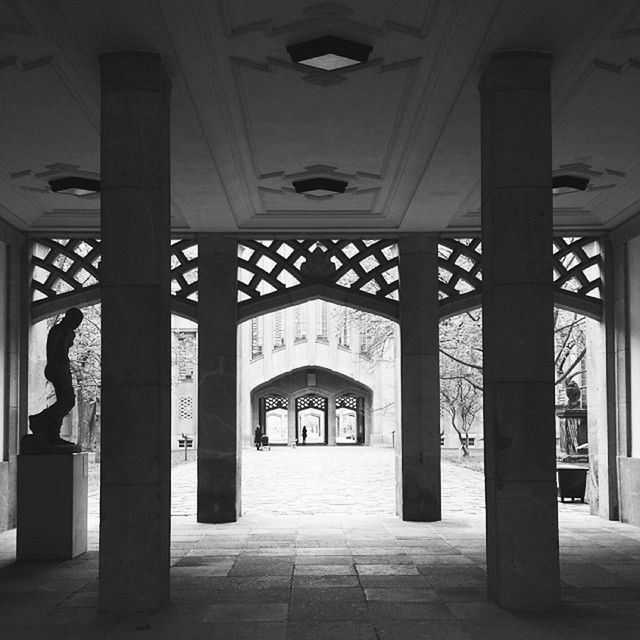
(184, 269)
(577, 269)
(317, 402)
(275, 402)
(577, 266)
(369, 267)
(366, 269)
(347, 402)
(64, 266)
(459, 267)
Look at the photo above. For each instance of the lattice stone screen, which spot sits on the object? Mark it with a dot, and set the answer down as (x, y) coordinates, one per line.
(65, 272)
(311, 401)
(459, 265)
(275, 402)
(64, 266)
(362, 273)
(269, 266)
(577, 272)
(347, 402)
(185, 408)
(577, 266)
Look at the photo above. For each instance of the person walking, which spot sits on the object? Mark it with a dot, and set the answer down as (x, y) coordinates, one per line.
(304, 434)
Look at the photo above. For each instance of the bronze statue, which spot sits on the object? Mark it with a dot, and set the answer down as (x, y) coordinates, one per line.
(47, 424)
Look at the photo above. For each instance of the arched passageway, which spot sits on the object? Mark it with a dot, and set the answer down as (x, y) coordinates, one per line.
(335, 409)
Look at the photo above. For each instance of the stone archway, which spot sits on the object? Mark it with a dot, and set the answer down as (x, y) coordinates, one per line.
(334, 390)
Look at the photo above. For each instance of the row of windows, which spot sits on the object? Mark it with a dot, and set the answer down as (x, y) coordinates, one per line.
(321, 330)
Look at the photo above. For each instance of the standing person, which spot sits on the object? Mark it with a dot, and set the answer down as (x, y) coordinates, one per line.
(304, 434)
(257, 437)
(47, 423)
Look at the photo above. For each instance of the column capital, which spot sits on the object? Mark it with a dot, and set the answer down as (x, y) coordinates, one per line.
(213, 243)
(418, 243)
(133, 70)
(515, 70)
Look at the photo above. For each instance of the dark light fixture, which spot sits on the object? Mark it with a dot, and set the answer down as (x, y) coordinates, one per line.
(320, 186)
(329, 53)
(568, 184)
(75, 186)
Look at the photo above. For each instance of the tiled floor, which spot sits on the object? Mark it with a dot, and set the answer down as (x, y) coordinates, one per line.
(339, 566)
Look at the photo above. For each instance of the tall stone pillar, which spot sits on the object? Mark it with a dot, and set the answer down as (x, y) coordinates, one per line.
(418, 443)
(291, 418)
(517, 303)
(136, 357)
(218, 438)
(332, 422)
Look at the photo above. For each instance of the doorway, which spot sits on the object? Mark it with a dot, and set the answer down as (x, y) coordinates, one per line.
(311, 414)
(350, 419)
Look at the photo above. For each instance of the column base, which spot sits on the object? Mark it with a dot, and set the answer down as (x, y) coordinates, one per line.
(420, 495)
(52, 506)
(523, 571)
(218, 490)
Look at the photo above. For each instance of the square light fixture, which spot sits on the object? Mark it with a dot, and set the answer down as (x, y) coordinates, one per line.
(329, 53)
(568, 184)
(320, 186)
(75, 186)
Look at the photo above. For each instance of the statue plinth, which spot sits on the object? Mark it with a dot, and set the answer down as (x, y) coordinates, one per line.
(52, 506)
(37, 444)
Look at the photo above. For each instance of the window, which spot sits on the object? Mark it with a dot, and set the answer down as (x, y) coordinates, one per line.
(185, 408)
(256, 337)
(301, 323)
(278, 330)
(321, 321)
(343, 331)
(365, 342)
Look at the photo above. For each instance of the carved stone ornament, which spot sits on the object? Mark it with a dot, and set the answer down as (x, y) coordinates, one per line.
(318, 267)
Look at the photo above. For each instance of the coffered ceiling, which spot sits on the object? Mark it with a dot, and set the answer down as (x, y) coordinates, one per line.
(403, 129)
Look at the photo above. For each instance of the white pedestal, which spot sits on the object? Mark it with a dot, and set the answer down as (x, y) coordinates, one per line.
(52, 506)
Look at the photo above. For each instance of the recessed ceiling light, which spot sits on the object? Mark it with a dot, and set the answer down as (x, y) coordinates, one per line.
(75, 186)
(329, 53)
(320, 186)
(568, 184)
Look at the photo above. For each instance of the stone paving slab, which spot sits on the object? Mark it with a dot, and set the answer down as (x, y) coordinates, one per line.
(321, 574)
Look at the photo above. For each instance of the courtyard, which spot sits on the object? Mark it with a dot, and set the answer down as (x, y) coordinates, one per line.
(319, 554)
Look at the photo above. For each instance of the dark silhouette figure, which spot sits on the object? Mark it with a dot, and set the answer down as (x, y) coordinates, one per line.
(572, 389)
(257, 437)
(47, 423)
(304, 434)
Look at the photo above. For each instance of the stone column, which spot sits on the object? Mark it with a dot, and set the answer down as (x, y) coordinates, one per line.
(291, 418)
(601, 386)
(517, 303)
(17, 260)
(418, 443)
(331, 419)
(218, 439)
(136, 393)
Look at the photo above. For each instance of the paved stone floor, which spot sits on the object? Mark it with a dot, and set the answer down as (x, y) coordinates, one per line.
(319, 555)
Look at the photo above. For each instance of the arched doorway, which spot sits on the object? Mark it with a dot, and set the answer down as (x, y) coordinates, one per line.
(350, 427)
(274, 410)
(311, 414)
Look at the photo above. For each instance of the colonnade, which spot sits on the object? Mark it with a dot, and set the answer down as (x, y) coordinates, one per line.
(522, 535)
